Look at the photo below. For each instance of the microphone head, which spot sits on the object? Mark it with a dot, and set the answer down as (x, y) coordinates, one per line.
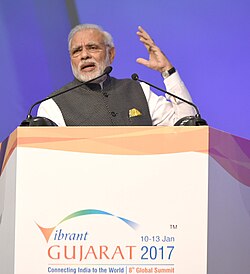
(107, 70)
(135, 76)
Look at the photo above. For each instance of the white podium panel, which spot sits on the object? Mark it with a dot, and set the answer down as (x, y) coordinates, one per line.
(124, 200)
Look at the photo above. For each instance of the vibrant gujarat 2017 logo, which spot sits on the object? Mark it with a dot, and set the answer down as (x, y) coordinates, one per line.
(77, 247)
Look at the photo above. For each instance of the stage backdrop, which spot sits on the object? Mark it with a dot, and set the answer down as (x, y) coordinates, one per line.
(207, 41)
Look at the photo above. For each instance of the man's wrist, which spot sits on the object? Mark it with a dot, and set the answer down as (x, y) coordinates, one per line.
(166, 73)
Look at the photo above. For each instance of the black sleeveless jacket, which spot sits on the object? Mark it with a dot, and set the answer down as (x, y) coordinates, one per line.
(120, 103)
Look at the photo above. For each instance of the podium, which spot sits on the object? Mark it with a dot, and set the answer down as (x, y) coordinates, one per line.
(124, 200)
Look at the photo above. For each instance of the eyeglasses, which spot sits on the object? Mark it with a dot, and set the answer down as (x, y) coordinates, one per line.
(91, 48)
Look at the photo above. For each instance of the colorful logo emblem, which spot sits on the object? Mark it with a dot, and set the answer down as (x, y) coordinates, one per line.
(48, 231)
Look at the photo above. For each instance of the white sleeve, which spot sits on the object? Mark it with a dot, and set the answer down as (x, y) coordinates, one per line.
(166, 110)
(49, 109)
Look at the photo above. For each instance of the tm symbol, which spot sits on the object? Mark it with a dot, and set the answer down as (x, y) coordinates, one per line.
(173, 226)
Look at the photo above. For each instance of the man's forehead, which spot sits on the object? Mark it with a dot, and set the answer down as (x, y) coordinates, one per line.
(88, 35)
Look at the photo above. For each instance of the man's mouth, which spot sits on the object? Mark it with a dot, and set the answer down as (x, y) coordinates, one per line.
(87, 67)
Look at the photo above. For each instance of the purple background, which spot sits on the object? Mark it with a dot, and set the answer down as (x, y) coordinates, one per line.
(207, 41)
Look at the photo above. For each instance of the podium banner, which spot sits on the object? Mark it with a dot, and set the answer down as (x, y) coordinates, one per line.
(112, 200)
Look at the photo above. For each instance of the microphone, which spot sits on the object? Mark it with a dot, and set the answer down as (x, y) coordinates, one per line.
(43, 121)
(185, 121)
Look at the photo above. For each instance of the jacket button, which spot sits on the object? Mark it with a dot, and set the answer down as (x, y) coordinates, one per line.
(113, 113)
(105, 94)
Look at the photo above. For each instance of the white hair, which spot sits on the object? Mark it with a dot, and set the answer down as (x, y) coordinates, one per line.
(108, 40)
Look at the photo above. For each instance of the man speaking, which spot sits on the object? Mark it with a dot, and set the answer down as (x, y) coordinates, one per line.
(107, 101)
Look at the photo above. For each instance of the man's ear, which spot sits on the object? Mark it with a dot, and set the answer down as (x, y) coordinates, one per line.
(111, 55)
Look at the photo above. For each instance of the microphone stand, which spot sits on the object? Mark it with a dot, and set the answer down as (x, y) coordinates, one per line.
(43, 121)
(185, 121)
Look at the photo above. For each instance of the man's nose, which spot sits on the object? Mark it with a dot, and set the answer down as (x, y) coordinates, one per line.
(85, 54)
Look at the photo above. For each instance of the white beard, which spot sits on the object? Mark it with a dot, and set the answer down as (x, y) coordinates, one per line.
(84, 77)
